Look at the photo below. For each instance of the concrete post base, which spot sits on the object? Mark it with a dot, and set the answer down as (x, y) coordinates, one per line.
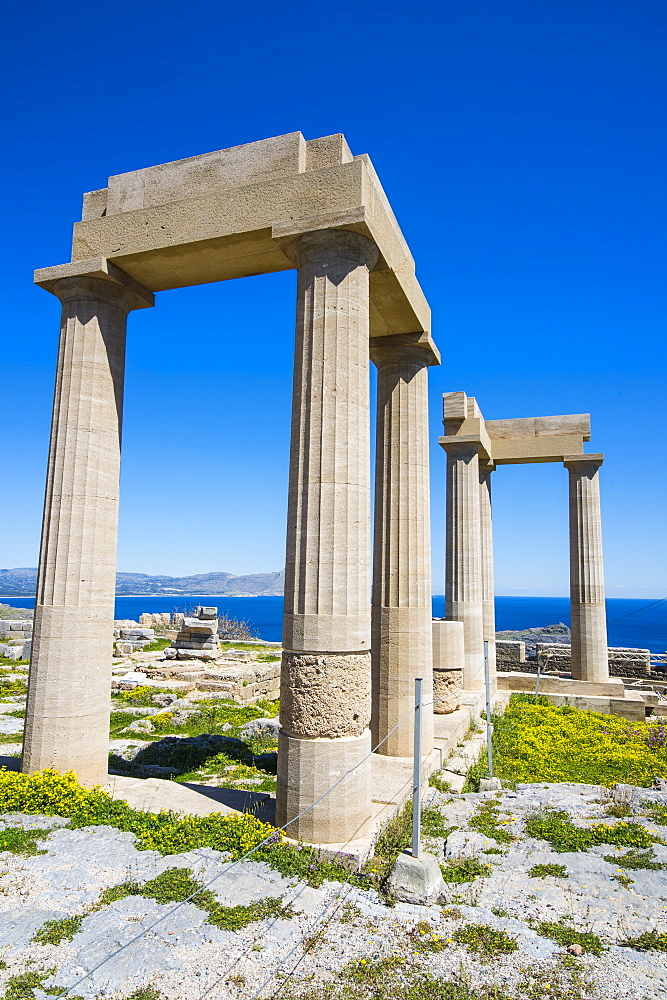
(416, 880)
(307, 768)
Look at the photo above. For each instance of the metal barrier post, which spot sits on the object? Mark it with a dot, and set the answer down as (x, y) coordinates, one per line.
(489, 727)
(417, 771)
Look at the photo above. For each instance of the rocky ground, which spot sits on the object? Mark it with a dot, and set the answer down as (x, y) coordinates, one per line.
(332, 934)
(531, 636)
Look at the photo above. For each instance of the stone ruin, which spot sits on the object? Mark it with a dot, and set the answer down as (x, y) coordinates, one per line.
(197, 638)
(348, 669)
(15, 638)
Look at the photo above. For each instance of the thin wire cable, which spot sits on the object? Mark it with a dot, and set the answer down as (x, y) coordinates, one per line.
(244, 857)
(328, 905)
(638, 611)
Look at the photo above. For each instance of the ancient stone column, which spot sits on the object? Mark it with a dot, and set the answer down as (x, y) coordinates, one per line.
(325, 673)
(463, 563)
(401, 615)
(488, 602)
(588, 622)
(67, 717)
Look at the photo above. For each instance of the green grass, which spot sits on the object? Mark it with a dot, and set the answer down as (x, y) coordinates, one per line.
(648, 941)
(562, 933)
(556, 827)
(157, 646)
(55, 931)
(16, 840)
(484, 941)
(486, 820)
(463, 870)
(543, 871)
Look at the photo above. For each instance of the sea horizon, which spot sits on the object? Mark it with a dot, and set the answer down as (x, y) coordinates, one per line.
(633, 622)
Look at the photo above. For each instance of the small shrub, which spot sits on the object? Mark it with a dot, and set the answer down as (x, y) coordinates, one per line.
(636, 861)
(658, 813)
(22, 987)
(464, 870)
(425, 939)
(486, 820)
(485, 941)
(147, 993)
(563, 934)
(648, 941)
(620, 810)
(542, 871)
(363, 971)
(435, 781)
(434, 825)
(55, 931)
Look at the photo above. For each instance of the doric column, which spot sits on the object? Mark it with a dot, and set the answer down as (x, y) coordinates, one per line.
(463, 564)
(588, 623)
(67, 717)
(402, 643)
(486, 530)
(325, 674)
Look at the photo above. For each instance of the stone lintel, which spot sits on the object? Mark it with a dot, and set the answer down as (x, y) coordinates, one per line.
(218, 217)
(593, 461)
(98, 267)
(521, 451)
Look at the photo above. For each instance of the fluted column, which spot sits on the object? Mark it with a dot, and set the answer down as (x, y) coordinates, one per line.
(488, 602)
(67, 717)
(325, 673)
(588, 623)
(463, 564)
(401, 615)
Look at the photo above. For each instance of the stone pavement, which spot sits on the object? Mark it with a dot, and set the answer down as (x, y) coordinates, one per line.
(184, 957)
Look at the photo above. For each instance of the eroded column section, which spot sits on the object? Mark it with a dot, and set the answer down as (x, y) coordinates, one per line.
(486, 535)
(588, 622)
(325, 673)
(67, 718)
(463, 564)
(401, 615)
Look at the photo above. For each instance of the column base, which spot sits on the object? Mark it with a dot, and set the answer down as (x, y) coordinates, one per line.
(307, 768)
(68, 705)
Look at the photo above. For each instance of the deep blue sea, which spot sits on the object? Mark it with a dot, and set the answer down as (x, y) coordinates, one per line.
(630, 622)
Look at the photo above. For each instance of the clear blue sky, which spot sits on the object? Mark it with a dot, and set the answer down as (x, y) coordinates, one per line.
(522, 146)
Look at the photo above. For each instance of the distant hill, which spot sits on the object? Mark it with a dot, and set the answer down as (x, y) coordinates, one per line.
(22, 582)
